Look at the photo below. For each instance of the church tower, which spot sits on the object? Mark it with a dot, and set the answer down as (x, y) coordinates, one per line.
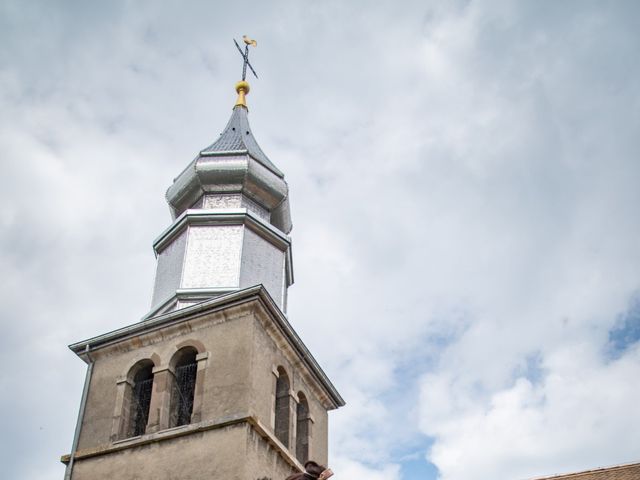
(214, 382)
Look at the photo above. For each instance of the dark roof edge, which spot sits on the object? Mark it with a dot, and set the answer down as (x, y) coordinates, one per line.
(592, 471)
(218, 303)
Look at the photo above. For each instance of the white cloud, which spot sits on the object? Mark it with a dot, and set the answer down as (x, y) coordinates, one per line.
(464, 191)
(348, 468)
(581, 414)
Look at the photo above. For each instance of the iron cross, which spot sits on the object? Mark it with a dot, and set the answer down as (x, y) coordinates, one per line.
(245, 55)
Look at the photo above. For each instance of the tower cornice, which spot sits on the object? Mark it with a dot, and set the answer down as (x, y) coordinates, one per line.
(230, 216)
(259, 293)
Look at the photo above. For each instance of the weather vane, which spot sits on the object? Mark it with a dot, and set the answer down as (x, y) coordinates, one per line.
(245, 55)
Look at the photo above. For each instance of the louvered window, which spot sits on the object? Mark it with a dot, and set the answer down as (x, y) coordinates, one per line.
(183, 393)
(140, 402)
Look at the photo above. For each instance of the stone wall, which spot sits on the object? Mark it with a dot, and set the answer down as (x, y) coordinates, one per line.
(240, 350)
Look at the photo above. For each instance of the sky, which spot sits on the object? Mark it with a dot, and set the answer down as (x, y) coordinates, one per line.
(464, 181)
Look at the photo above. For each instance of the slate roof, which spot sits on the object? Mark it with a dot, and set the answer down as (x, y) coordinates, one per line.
(620, 472)
(237, 138)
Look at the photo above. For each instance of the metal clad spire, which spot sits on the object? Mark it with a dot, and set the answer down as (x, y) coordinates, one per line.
(230, 185)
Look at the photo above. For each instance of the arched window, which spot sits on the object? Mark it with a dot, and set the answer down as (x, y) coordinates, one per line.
(302, 429)
(139, 393)
(282, 407)
(183, 386)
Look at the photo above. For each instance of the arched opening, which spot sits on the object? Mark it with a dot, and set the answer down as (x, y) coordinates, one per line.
(282, 407)
(302, 429)
(139, 396)
(183, 386)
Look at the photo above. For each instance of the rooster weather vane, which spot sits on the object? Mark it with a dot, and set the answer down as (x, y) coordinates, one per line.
(245, 55)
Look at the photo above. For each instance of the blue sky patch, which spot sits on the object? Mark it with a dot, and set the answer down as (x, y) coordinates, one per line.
(626, 330)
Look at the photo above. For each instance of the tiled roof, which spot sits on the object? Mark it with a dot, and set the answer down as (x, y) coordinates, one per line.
(237, 137)
(630, 471)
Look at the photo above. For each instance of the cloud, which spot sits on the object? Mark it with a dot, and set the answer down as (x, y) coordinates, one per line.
(463, 182)
(490, 221)
(575, 417)
(354, 469)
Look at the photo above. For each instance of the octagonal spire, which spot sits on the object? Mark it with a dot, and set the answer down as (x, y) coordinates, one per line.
(237, 138)
(234, 163)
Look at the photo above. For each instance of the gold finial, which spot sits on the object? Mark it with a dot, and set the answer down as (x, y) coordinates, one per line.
(242, 87)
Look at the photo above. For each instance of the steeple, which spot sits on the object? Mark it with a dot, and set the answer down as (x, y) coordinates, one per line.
(214, 383)
(231, 215)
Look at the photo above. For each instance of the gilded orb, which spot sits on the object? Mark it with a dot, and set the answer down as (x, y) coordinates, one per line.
(242, 85)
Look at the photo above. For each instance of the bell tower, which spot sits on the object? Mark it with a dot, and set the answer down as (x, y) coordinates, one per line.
(214, 382)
